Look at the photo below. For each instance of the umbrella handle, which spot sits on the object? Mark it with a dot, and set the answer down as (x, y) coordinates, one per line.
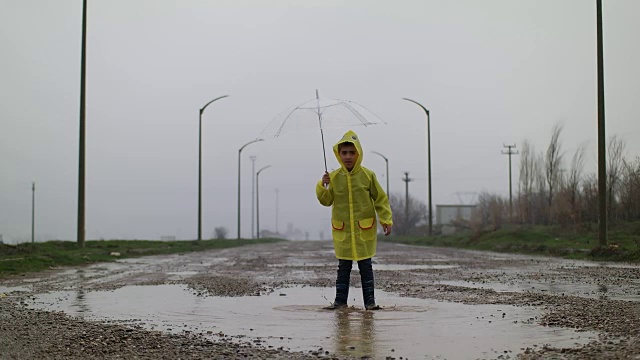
(324, 154)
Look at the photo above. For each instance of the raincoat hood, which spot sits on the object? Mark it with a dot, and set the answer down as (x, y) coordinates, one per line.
(351, 137)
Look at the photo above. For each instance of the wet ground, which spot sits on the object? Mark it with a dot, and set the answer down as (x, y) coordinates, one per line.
(266, 301)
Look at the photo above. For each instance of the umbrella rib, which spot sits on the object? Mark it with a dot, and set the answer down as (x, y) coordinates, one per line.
(321, 106)
(284, 122)
(357, 114)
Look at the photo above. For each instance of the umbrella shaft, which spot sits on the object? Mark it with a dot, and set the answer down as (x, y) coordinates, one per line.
(324, 152)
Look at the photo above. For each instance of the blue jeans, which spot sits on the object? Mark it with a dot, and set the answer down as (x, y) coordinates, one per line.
(366, 276)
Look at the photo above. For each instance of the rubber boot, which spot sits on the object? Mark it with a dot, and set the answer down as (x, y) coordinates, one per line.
(342, 282)
(368, 284)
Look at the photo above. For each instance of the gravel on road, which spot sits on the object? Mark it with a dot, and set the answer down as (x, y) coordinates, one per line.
(469, 277)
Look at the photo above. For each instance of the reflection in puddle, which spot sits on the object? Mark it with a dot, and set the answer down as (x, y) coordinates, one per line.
(355, 333)
(80, 304)
(294, 318)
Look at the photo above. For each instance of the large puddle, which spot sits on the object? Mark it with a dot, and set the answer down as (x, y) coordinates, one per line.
(294, 319)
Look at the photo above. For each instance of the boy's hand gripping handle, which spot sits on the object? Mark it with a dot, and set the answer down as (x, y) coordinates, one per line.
(326, 179)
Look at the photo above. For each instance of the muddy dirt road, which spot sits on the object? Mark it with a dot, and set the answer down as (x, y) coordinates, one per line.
(265, 301)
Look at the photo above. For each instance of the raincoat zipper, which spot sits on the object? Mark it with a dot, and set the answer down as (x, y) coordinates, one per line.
(352, 223)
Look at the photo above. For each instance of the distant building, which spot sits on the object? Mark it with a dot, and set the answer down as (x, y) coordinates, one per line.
(446, 215)
(271, 234)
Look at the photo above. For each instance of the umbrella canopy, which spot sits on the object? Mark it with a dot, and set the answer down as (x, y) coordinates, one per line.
(319, 114)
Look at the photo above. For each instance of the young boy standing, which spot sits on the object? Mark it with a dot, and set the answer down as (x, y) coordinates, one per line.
(355, 196)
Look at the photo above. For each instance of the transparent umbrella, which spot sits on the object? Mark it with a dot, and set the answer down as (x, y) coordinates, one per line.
(320, 113)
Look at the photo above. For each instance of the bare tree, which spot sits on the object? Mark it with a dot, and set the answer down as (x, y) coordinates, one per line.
(614, 169)
(220, 232)
(527, 180)
(532, 183)
(552, 164)
(540, 198)
(573, 180)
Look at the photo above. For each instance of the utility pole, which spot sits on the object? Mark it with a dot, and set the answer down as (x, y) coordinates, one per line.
(510, 152)
(602, 155)
(406, 179)
(253, 193)
(33, 212)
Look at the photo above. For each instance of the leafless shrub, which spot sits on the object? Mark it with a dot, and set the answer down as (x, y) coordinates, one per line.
(492, 210)
(416, 212)
(629, 190)
(615, 163)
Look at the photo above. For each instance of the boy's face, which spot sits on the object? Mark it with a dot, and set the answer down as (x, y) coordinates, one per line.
(348, 155)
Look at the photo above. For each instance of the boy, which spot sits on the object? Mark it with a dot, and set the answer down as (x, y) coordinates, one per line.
(355, 196)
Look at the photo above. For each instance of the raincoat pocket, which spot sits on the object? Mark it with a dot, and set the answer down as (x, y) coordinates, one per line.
(337, 230)
(367, 229)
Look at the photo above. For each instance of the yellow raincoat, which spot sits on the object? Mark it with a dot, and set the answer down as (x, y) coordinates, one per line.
(356, 196)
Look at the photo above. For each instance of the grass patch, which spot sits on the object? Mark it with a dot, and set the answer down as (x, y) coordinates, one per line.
(575, 243)
(28, 257)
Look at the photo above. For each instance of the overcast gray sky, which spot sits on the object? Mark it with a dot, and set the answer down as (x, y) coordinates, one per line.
(491, 72)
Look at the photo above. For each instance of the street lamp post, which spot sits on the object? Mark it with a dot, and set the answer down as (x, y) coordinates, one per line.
(258, 200)
(277, 193)
(387, 164)
(239, 153)
(253, 193)
(200, 166)
(81, 141)
(428, 158)
(602, 156)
